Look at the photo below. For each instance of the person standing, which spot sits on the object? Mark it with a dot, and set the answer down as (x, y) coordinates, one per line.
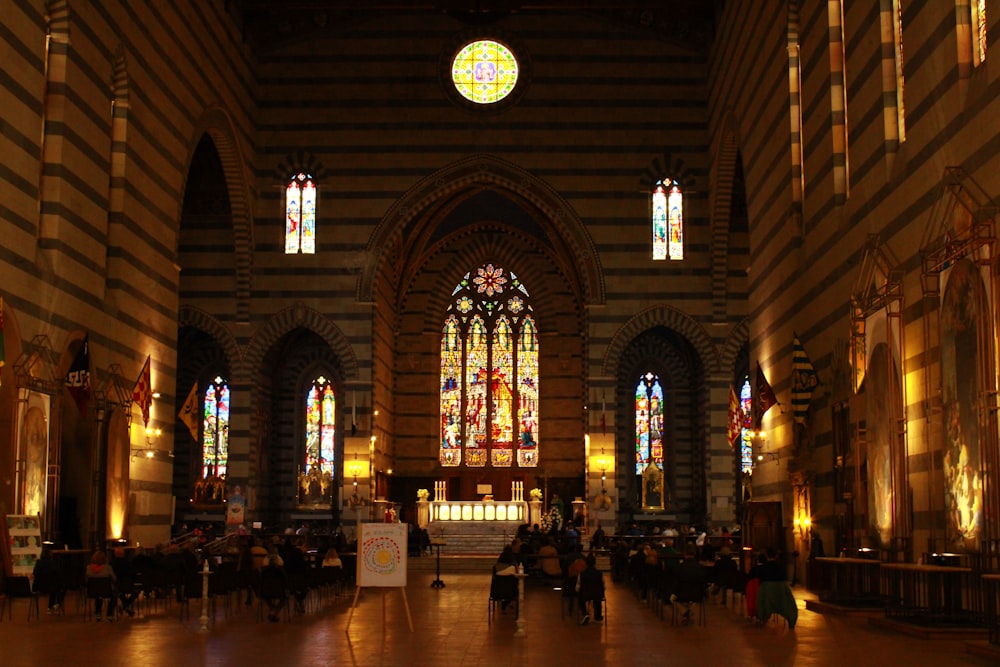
(590, 588)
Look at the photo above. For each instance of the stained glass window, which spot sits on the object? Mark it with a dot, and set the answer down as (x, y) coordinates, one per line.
(215, 430)
(321, 423)
(746, 433)
(527, 392)
(668, 220)
(648, 423)
(489, 373)
(300, 215)
(316, 477)
(979, 31)
(484, 71)
(897, 36)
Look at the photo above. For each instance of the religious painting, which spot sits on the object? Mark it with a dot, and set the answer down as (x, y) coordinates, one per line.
(879, 392)
(963, 314)
(34, 445)
(235, 511)
(118, 473)
(652, 488)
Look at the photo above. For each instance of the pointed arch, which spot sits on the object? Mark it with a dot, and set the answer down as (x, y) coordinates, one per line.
(484, 171)
(217, 124)
(195, 317)
(664, 316)
(722, 183)
(301, 316)
(737, 338)
(118, 162)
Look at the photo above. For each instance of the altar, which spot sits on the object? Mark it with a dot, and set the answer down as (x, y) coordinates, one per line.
(478, 510)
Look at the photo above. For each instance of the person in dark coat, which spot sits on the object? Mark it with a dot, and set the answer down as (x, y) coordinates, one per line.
(590, 588)
(50, 578)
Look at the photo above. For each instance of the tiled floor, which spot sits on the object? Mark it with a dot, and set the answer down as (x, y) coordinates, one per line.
(450, 628)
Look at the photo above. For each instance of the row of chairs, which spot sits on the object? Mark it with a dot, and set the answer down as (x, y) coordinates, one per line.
(148, 590)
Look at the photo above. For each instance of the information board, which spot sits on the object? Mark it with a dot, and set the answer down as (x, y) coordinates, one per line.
(24, 543)
(382, 555)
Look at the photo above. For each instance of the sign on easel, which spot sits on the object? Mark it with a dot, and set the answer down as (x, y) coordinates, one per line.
(23, 538)
(382, 556)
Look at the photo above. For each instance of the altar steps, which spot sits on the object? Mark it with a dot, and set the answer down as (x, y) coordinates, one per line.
(472, 538)
(468, 563)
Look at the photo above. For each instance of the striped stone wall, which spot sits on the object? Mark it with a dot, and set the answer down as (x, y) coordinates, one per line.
(803, 282)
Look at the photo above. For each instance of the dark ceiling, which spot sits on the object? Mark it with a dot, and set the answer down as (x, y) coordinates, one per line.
(267, 24)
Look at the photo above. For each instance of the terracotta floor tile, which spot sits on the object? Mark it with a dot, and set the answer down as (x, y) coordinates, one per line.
(450, 628)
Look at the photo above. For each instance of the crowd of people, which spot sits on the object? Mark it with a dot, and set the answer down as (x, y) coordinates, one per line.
(666, 564)
(274, 568)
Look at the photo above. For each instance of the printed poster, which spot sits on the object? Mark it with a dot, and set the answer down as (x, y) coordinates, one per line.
(382, 555)
(25, 535)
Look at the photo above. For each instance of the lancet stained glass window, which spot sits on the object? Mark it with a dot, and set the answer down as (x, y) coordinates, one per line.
(648, 423)
(668, 220)
(321, 423)
(489, 373)
(979, 31)
(484, 71)
(746, 433)
(316, 477)
(300, 215)
(215, 430)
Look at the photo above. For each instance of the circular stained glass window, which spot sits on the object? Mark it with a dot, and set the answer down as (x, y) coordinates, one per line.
(484, 71)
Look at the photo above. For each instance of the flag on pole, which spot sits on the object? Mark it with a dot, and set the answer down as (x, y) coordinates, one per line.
(189, 411)
(735, 418)
(804, 381)
(765, 396)
(142, 393)
(78, 377)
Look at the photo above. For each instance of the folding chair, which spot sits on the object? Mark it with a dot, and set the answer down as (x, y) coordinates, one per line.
(503, 592)
(100, 588)
(19, 587)
(688, 596)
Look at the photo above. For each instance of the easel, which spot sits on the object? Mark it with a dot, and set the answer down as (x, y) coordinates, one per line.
(354, 603)
(382, 552)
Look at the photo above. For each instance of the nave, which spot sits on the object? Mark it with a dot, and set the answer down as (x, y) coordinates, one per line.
(450, 628)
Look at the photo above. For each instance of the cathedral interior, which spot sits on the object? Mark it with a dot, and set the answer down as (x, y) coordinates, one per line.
(713, 263)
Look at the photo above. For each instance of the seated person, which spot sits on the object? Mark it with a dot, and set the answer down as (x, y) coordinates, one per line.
(274, 574)
(590, 588)
(726, 574)
(99, 569)
(773, 595)
(332, 559)
(50, 578)
(504, 585)
(125, 576)
(548, 559)
(689, 581)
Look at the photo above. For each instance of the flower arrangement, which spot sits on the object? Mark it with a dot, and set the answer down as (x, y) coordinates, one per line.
(551, 520)
(423, 494)
(356, 501)
(536, 494)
